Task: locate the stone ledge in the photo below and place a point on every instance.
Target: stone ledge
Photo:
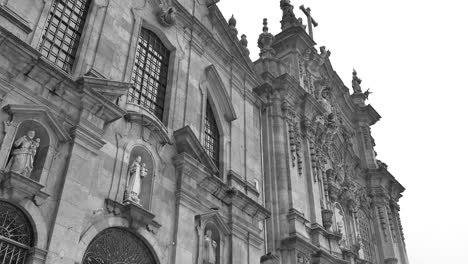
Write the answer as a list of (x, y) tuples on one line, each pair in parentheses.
[(136, 215), (140, 115), (15, 186), (234, 177), (316, 229), (16, 19)]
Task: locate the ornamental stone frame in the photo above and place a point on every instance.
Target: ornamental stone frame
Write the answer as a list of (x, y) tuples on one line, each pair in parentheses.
[(141, 20), (215, 93), (212, 220), (40, 115)]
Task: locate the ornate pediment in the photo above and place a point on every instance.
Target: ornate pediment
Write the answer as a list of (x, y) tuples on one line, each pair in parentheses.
[(39, 113), (214, 217)]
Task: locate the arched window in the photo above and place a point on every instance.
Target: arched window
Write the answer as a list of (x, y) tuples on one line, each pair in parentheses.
[(150, 72), (211, 140), (63, 32), (117, 245), (366, 237), (16, 234)]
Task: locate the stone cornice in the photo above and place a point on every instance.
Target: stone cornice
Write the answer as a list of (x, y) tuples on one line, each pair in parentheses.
[(140, 115), (36, 111), (233, 179), (382, 183), (187, 142), (299, 243), (195, 179), (212, 45)]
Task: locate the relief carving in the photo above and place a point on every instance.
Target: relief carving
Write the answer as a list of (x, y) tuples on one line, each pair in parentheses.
[(167, 16)]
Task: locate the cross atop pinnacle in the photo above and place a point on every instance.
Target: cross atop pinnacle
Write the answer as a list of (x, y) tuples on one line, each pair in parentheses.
[(310, 20)]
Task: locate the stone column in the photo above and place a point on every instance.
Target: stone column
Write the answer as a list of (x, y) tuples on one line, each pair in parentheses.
[(382, 227)]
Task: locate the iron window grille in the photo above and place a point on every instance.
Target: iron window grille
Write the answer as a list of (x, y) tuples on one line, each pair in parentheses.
[(150, 72), (16, 235), (116, 245), (63, 32), (211, 141)]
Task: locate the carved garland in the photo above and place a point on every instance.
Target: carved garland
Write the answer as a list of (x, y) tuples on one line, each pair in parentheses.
[(294, 136)]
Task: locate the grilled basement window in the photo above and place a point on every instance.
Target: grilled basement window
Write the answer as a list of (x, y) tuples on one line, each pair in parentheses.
[(211, 142), (149, 75), (63, 32), (16, 235)]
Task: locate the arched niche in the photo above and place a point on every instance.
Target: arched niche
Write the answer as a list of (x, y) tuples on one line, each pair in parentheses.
[(146, 162), (211, 244), (340, 223), (37, 146), (118, 245), (24, 118), (212, 230)]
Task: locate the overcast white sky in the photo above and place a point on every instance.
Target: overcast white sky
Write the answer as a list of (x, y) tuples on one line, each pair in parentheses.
[(413, 56)]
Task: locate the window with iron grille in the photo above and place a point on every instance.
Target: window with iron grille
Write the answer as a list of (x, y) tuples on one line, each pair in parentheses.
[(366, 236), (63, 32), (16, 236), (211, 141), (149, 75), (116, 245)]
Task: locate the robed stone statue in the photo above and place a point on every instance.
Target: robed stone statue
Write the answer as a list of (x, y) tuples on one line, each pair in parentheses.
[(23, 154), (209, 248), (137, 171)]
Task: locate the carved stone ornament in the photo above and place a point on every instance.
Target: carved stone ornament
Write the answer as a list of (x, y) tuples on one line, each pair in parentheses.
[(327, 218), (232, 26), (167, 16), (302, 258), (243, 42), (265, 40)]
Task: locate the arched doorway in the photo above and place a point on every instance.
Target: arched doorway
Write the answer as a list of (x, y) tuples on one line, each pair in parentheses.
[(117, 245), (16, 234)]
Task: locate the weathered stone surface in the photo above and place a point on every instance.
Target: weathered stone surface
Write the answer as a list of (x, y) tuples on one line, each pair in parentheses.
[(285, 122)]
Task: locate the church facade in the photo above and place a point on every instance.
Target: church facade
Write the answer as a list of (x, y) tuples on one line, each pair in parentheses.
[(140, 132)]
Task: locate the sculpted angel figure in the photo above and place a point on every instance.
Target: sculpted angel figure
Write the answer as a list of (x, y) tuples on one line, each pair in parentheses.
[(23, 154), (137, 171)]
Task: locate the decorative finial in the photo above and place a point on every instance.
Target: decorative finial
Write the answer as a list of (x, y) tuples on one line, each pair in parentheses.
[(232, 26), (289, 18), (264, 42), (244, 43), (356, 83), (232, 21)]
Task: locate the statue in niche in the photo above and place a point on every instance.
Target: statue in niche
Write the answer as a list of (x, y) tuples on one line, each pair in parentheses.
[(209, 248), (23, 154), (325, 97), (137, 171)]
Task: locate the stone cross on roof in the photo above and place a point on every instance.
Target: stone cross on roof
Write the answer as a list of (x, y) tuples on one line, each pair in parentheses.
[(310, 20)]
